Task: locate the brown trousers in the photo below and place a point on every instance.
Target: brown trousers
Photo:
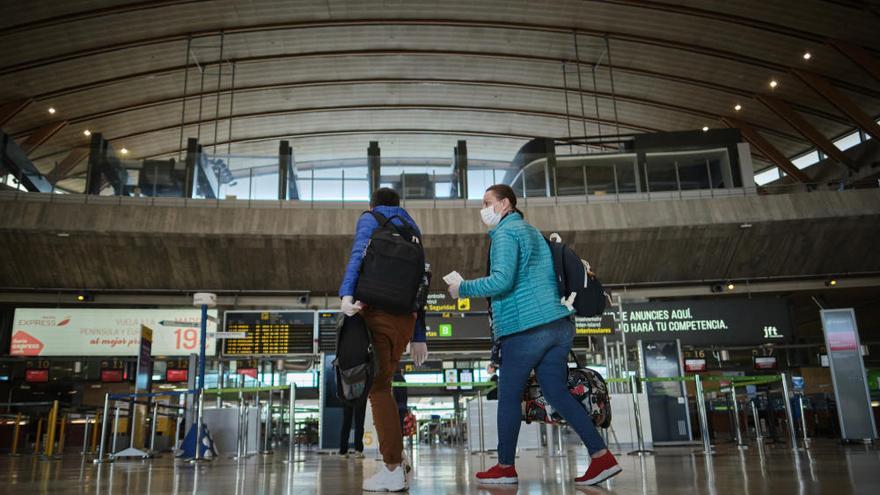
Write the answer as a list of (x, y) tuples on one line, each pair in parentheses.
[(391, 334)]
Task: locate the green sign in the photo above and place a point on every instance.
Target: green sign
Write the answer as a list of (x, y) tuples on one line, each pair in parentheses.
[(445, 329)]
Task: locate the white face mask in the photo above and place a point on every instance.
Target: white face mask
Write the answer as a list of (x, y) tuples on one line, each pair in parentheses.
[(490, 217)]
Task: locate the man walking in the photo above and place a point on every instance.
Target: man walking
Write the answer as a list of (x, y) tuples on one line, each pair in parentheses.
[(391, 334)]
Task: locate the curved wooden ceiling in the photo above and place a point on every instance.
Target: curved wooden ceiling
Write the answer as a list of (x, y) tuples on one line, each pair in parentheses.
[(333, 75)]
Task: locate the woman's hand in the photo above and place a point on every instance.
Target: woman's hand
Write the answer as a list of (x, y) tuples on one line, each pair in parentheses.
[(350, 307), (454, 289)]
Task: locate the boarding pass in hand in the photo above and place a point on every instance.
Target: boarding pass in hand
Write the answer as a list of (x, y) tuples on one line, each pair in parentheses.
[(452, 278)]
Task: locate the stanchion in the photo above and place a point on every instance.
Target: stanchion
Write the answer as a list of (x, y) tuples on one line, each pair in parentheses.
[(291, 427), (200, 405), (641, 450), (704, 420), (788, 415), (62, 437), (39, 436), (153, 422), (267, 438), (739, 439), (759, 435), (480, 421), (93, 443), (50, 430), (15, 433), (104, 423), (181, 415), (242, 421), (86, 427), (115, 430), (803, 420)]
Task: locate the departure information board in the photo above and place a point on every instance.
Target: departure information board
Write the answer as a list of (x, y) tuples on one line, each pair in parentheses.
[(269, 333)]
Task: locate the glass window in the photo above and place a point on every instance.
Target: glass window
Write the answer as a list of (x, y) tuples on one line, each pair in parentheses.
[(661, 173), (303, 378), (570, 181), (767, 176), (848, 141), (805, 161)]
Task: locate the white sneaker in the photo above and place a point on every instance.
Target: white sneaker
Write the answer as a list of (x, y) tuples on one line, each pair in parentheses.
[(386, 481)]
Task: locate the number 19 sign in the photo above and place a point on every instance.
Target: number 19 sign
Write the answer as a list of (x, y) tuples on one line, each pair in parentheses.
[(107, 332)]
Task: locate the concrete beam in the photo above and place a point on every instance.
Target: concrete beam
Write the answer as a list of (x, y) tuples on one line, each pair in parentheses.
[(41, 135), (840, 101), (858, 56), (12, 108), (764, 147), (786, 113)]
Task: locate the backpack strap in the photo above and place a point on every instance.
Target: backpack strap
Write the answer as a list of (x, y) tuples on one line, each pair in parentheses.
[(404, 229)]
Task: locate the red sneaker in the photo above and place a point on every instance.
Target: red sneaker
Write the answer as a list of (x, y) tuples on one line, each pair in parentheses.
[(497, 475), (601, 468)]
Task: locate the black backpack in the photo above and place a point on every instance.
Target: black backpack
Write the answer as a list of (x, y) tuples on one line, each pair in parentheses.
[(393, 267), (354, 364), (573, 277)]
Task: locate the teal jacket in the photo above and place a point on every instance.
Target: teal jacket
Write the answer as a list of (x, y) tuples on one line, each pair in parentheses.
[(522, 283)]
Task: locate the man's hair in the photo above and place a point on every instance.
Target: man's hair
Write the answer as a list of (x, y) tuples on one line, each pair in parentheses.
[(384, 196)]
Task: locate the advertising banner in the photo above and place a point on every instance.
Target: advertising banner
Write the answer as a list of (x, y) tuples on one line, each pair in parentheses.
[(107, 332)]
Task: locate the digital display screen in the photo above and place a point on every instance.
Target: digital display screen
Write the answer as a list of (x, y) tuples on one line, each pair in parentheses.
[(269, 333), (175, 375), (111, 376), (765, 363), (694, 365), (36, 376)]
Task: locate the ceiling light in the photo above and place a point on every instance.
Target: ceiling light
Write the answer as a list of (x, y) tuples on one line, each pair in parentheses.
[(87, 133), (738, 107), (63, 234), (124, 151), (807, 56), (705, 128), (51, 110), (730, 286), (831, 282), (773, 83)]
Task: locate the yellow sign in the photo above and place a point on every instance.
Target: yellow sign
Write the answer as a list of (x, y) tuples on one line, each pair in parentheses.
[(408, 367), (264, 316), (464, 304)]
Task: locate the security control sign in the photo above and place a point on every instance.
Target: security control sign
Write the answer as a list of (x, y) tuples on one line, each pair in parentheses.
[(107, 332)]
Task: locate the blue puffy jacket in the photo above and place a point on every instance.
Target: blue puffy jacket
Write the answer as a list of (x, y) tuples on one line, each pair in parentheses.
[(362, 233), (522, 282)]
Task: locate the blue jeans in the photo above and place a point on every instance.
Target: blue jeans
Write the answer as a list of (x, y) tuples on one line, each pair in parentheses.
[(545, 349)]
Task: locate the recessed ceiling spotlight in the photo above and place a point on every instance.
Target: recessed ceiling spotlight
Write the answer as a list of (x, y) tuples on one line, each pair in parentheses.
[(124, 151), (773, 83), (87, 133), (51, 110), (737, 107), (705, 128), (807, 56), (730, 286)]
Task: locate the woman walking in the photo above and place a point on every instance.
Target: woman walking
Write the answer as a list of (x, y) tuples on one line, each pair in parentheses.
[(535, 331)]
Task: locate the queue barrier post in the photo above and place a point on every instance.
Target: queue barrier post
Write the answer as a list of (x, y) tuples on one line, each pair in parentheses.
[(242, 421), (788, 414), (153, 421), (62, 437), (291, 426), (39, 436), (701, 412), (756, 418), (115, 429), (93, 443), (15, 434), (480, 421), (739, 439), (104, 423), (200, 405), (267, 438), (87, 426), (50, 430), (640, 439), (803, 420)]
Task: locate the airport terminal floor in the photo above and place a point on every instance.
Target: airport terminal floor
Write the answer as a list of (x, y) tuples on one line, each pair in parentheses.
[(825, 467)]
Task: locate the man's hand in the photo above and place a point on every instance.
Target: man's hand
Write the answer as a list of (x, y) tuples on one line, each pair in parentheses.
[(419, 352), (350, 307)]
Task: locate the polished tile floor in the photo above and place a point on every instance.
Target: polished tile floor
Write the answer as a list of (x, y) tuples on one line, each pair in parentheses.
[(824, 468)]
